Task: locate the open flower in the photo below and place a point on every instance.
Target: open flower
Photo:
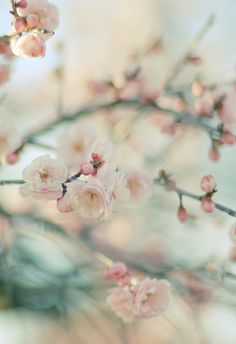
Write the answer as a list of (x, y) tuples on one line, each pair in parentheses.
[(89, 198), (44, 178), (121, 301), (28, 45), (10, 139), (75, 145), (151, 298)]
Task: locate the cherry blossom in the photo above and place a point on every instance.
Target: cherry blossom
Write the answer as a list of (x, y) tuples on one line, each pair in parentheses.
[(44, 178)]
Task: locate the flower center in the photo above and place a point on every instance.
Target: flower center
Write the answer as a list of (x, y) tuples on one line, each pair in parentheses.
[(78, 147), (43, 175)]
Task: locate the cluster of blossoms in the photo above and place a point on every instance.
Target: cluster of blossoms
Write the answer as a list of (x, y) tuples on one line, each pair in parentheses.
[(34, 21), (97, 187), (133, 299), (208, 185), (10, 142)]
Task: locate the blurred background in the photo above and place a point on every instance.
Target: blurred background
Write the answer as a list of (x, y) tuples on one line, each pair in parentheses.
[(97, 39)]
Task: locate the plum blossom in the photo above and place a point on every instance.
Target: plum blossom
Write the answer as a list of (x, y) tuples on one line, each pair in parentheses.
[(151, 298), (44, 178), (10, 139), (208, 183), (101, 153), (140, 187), (121, 302), (89, 198), (74, 146), (28, 45), (63, 204)]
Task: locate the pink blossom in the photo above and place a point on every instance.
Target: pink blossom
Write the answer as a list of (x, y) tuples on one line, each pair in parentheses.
[(89, 198), (207, 205), (43, 178), (121, 301), (140, 187), (232, 233), (75, 145), (116, 271), (208, 183), (28, 45), (87, 169), (10, 139), (46, 15), (12, 158), (151, 298)]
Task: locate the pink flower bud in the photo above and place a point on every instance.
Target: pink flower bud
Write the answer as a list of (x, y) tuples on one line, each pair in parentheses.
[(116, 271), (228, 138), (87, 169), (207, 205), (22, 4), (19, 24), (214, 154), (182, 214), (63, 204), (32, 21), (208, 183), (232, 233), (28, 45), (12, 158)]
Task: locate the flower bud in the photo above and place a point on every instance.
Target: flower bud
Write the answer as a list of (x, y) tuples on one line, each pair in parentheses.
[(19, 24), (182, 214), (32, 21), (207, 204), (87, 169), (12, 158), (63, 204), (214, 154), (208, 183)]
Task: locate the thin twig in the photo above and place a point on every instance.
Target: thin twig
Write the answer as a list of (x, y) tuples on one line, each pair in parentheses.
[(182, 192)]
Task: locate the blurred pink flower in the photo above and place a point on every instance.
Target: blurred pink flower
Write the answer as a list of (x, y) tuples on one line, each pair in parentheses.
[(151, 298), (43, 178), (116, 271), (232, 233), (40, 14), (75, 145), (10, 139), (121, 301), (208, 183), (4, 73), (63, 204), (89, 198), (140, 187), (28, 45)]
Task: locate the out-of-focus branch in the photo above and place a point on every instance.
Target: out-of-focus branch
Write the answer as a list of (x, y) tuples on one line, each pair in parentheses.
[(134, 103), (181, 192), (178, 67)]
